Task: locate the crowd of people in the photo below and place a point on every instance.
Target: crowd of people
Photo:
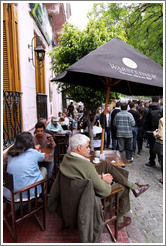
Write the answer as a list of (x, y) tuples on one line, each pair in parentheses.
[(127, 126)]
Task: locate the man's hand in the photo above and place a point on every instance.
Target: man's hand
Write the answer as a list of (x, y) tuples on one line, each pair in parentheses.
[(107, 177), (50, 138)]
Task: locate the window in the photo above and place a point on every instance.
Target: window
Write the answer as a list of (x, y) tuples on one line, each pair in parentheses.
[(11, 76)]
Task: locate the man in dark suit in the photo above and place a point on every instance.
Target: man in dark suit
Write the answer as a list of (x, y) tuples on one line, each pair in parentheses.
[(113, 128), (106, 124)]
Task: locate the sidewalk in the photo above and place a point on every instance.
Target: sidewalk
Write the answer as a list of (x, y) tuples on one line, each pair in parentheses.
[(147, 209)]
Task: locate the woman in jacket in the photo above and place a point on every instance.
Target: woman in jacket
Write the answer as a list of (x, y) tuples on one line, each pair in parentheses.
[(23, 164)]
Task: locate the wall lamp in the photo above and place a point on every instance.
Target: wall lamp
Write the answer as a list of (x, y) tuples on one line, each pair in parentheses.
[(39, 53)]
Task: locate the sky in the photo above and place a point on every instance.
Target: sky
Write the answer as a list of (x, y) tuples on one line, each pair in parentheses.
[(79, 10)]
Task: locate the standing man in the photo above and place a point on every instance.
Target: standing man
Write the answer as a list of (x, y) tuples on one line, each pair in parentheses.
[(106, 124), (137, 118), (153, 116), (113, 128), (124, 122), (70, 110)]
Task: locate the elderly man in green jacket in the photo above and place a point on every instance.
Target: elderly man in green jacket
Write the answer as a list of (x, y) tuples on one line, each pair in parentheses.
[(105, 177)]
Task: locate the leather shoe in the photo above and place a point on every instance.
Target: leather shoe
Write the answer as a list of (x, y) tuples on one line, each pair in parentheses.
[(126, 222), (150, 165), (140, 189)]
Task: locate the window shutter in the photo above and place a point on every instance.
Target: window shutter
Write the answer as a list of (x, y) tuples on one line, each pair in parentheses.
[(6, 52), (15, 53)]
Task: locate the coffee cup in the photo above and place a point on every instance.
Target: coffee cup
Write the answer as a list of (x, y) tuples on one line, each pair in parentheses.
[(96, 160), (37, 147)]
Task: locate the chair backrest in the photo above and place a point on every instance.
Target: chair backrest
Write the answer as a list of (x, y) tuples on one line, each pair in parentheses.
[(81, 207), (71, 191), (24, 208), (8, 181)]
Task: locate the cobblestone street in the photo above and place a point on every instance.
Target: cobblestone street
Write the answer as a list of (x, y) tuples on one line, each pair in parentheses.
[(147, 209)]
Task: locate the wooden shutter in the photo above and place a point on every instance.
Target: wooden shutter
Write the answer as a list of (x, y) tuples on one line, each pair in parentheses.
[(6, 52), (11, 59)]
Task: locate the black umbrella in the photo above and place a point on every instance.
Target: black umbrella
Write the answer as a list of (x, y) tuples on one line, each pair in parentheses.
[(116, 66)]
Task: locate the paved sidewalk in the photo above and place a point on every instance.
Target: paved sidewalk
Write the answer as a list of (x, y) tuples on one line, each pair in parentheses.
[(147, 209)]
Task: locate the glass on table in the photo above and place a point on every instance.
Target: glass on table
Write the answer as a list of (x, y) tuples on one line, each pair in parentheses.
[(37, 147)]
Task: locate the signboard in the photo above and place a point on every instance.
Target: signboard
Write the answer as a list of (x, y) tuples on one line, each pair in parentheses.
[(39, 13)]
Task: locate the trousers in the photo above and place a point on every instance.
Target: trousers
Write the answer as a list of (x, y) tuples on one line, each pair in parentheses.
[(126, 144), (120, 180)]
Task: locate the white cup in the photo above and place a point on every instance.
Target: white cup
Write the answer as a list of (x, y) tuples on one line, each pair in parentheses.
[(96, 160), (102, 157)]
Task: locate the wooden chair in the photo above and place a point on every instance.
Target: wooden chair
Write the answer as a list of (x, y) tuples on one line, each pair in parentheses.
[(62, 145), (69, 187), (14, 212), (110, 211)]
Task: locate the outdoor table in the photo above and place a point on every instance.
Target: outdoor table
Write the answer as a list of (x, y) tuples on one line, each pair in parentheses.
[(49, 154), (113, 157)]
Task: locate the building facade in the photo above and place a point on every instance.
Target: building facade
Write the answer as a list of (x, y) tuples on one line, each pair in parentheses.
[(28, 93)]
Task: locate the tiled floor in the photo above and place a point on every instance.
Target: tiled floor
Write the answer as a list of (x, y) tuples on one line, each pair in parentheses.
[(29, 232)]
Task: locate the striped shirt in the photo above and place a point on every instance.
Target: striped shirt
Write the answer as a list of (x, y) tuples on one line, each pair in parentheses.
[(123, 122)]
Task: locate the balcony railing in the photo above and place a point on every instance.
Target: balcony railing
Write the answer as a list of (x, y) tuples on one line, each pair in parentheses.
[(11, 117), (41, 100)]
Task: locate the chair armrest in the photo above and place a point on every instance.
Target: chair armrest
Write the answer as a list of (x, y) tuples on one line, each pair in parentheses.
[(31, 186), (116, 190), (113, 192)]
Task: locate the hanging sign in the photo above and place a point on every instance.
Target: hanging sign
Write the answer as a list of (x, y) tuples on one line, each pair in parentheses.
[(39, 13)]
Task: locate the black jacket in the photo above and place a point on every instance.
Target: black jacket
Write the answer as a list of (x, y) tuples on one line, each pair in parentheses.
[(153, 115), (103, 120), (113, 128)]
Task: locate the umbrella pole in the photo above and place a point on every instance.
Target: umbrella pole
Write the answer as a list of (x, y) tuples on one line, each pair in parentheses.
[(105, 112)]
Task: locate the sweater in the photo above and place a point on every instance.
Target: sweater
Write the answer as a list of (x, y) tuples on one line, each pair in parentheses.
[(123, 122), (77, 168)]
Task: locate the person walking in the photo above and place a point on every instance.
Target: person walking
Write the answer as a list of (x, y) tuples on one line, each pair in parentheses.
[(124, 121), (153, 116)]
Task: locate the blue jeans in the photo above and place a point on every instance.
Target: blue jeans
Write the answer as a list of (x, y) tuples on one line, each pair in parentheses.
[(114, 144), (51, 166), (135, 134)]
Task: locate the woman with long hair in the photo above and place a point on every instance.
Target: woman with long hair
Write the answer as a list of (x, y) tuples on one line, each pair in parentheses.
[(23, 164)]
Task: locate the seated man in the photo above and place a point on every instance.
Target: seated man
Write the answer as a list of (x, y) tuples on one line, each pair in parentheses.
[(105, 177), (54, 125), (45, 140)]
